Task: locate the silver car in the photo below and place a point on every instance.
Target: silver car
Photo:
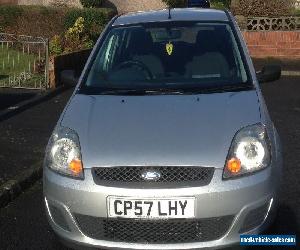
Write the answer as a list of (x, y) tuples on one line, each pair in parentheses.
[(166, 142)]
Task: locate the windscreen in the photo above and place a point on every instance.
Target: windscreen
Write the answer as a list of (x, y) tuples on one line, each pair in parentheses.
[(168, 55)]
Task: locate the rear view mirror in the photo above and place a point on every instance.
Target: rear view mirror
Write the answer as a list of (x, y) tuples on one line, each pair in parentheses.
[(68, 78), (269, 73)]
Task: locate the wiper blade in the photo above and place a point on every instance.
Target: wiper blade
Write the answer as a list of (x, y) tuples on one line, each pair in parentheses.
[(191, 90), (222, 89), (141, 92)]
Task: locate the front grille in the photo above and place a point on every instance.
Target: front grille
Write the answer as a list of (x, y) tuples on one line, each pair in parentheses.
[(132, 176), (154, 232), (254, 218)]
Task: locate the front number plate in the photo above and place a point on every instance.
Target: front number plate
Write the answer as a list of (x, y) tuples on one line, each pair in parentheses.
[(162, 208)]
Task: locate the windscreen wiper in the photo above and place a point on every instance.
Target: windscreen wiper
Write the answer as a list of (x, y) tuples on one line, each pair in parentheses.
[(222, 89), (141, 92)]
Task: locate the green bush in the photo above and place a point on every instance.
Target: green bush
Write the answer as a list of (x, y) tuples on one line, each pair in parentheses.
[(175, 3), (55, 45), (9, 13), (220, 4), (269, 8), (296, 12), (91, 3), (32, 20), (50, 21), (95, 19)]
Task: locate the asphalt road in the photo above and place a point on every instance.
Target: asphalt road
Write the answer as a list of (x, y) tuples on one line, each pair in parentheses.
[(11, 97), (23, 224), (23, 137)]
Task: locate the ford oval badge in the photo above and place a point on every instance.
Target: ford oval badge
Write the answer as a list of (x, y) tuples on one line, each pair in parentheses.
[(150, 175)]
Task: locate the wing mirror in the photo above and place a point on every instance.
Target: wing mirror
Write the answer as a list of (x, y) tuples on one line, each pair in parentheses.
[(69, 78), (269, 73)]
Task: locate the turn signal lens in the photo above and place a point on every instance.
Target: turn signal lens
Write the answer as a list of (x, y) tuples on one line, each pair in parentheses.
[(76, 167), (234, 165)]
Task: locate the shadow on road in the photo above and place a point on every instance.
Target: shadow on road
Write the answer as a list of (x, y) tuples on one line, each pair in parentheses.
[(9, 98), (285, 223)]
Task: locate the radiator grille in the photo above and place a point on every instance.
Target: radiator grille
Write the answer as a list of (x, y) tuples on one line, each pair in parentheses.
[(172, 176), (154, 232)]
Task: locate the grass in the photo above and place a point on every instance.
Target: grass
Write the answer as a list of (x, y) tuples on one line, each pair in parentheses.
[(18, 69)]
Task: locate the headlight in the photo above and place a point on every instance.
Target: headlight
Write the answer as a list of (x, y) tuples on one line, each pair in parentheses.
[(63, 153), (249, 152)]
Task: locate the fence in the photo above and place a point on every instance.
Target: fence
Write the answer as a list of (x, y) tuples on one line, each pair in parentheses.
[(273, 24), (23, 61)]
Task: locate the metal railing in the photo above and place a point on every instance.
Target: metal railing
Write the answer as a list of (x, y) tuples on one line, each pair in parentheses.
[(23, 61)]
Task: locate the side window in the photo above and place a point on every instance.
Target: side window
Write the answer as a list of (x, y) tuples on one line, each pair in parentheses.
[(241, 72), (107, 58), (104, 60)]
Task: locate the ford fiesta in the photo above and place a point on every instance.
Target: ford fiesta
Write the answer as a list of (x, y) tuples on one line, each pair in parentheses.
[(166, 142)]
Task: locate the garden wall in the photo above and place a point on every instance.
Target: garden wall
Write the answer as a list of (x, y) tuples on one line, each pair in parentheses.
[(72, 61), (273, 43)]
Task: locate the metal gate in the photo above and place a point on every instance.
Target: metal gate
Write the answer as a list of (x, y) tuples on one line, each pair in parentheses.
[(23, 61)]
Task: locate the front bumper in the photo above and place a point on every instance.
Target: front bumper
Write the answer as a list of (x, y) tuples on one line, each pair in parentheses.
[(239, 198)]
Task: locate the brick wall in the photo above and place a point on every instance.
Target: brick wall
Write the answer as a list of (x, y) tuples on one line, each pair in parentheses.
[(273, 43)]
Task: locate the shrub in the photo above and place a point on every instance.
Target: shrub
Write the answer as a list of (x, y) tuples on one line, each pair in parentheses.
[(264, 8), (175, 3), (50, 21), (55, 45), (8, 15), (76, 37), (220, 4), (32, 20), (95, 19), (91, 3)]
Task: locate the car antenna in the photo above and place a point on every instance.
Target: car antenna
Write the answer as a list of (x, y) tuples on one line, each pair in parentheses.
[(170, 17)]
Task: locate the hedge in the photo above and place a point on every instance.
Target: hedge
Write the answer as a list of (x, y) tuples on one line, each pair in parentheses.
[(91, 3), (270, 8), (49, 21)]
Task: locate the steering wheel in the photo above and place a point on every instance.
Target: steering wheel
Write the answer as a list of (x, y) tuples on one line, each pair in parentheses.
[(139, 64)]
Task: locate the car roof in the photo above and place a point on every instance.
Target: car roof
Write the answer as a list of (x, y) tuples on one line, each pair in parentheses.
[(186, 14)]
